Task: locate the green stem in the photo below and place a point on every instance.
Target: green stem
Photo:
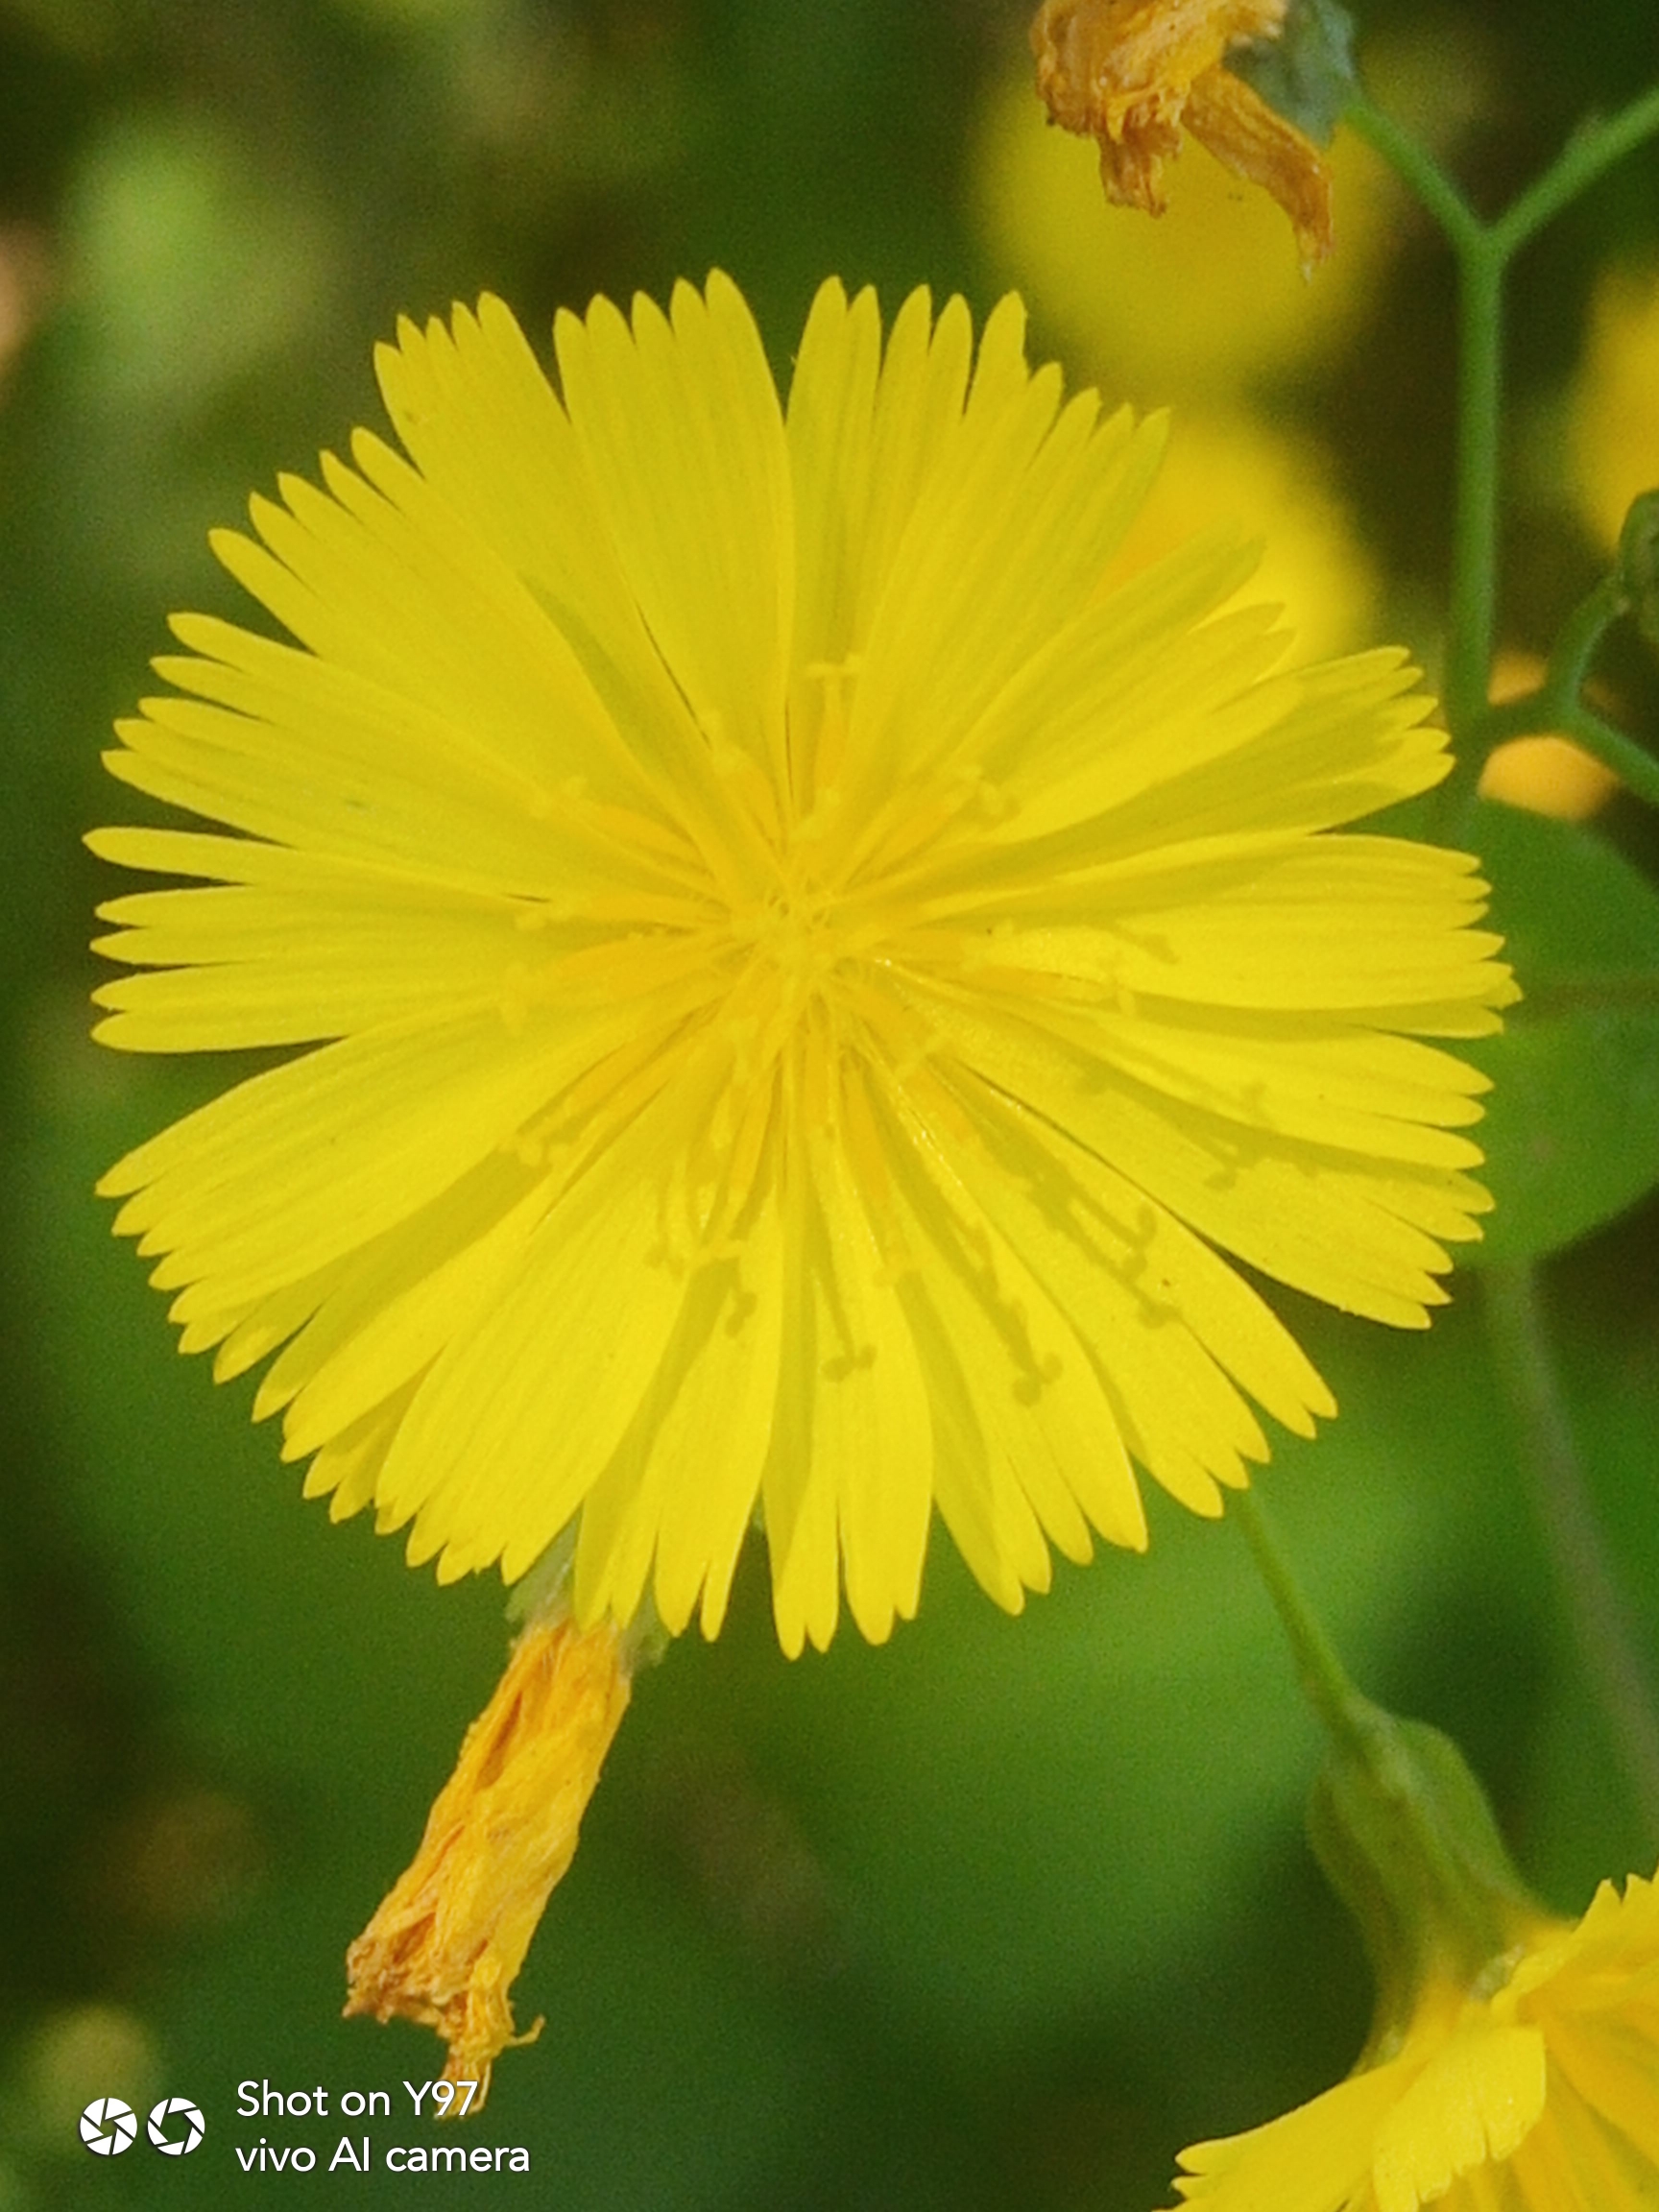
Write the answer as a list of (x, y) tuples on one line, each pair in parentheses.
[(1558, 706), (1541, 714), (1479, 412), (1634, 765), (1587, 155), (1594, 1602), (1348, 1715), (1396, 1819), (1473, 612), (1580, 635), (1483, 252), (1417, 169)]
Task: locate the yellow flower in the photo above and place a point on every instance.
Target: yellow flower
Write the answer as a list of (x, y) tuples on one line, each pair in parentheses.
[(1274, 488), (1196, 305), (1537, 2091), (1614, 428), (1548, 774), (1133, 74), (804, 981)]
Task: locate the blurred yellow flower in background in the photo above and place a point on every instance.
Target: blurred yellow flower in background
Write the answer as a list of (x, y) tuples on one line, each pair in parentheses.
[(805, 979), (1200, 307), (1536, 2091), (1192, 306), (1547, 774), (1614, 433), (1272, 487)]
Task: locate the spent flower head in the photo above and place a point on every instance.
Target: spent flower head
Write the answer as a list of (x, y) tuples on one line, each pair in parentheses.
[(450, 1935), (1135, 75)]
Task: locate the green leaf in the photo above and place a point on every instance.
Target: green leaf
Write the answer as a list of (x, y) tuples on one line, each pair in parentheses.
[(1307, 73), (1572, 1127)]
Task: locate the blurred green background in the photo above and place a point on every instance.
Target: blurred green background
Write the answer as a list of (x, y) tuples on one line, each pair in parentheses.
[(1005, 1913)]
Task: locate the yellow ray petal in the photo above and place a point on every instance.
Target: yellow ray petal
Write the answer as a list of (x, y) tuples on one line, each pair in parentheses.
[(525, 1407), (1474, 2104), (849, 1469), (1315, 2159), (680, 427), (666, 1496)]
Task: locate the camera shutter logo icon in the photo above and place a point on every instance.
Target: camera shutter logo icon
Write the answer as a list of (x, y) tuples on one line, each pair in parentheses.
[(108, 2126), (176, 2127)]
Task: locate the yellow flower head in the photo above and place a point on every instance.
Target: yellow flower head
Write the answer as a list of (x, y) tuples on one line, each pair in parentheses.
[(1537, 2091), (804, 980), (1614, 424), (1134, 74)]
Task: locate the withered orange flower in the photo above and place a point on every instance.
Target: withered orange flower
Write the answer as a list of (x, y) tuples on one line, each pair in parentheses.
[(451, 1934), (1134, 74)]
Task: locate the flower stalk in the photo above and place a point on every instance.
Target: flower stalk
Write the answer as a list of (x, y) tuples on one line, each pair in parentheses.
[(1343, 1711), (1397, 1820), (1558, 704), (1593, 1598), (1483, 252)]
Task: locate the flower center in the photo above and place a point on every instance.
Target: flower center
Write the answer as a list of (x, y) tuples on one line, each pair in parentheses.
[(794, 931)]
